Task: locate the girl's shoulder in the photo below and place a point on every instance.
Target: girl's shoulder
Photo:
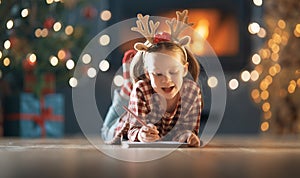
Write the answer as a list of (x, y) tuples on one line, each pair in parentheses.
[(190, 84)]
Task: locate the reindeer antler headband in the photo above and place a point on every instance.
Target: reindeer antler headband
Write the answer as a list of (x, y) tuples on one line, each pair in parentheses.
[(148, 30)]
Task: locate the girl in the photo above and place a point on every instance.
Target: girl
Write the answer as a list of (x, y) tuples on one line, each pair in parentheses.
[(163, 95)]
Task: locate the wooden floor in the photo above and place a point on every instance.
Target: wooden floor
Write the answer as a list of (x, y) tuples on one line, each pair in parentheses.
[(223, 157)]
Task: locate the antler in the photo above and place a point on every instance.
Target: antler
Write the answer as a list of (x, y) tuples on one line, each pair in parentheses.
[(177, 26), (143, 28)]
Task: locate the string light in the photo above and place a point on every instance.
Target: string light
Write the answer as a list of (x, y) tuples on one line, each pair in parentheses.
[(86, 58), (292, 86), (38, 33), (118, 80), (233, 84), (212, 81), (24, 13), (281, 24), (262, 33), (91, 72), (254, 75), (73, 82), (266, 106), (0, 54), (44, 32), (9, 24), (57, 26), (245, 76), (104, 40), (7, 44), (253, 27), (298, 82), (264, 126), (104, 65), (49, 1), (258, 2), (297, 30), (6, 62), (61, 54), (32, 58), (69, 30), (105, 15), (53, 60), (267, 115), (264, 95), (70, 64), (256, 59)]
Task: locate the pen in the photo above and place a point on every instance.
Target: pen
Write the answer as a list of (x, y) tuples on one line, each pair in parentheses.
[(137, 117)]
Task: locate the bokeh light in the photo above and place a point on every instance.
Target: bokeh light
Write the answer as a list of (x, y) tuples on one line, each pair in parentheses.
[(212, 81), (91, 72), (258, 2), (104, 40), (254, 75), (86, 58), (264, 126), (69, 30), (105, 15), (7, 44), (53, 60), (24, 13), (6, 62), (104, 65), (70, 64), (253, 27), (9, 24), (73, 82), (245, 76), (256, 59), (57, 26), (233, 84), (118, 80)]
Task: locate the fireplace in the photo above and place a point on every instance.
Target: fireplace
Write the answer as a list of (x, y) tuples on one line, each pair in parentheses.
[(223, 23)]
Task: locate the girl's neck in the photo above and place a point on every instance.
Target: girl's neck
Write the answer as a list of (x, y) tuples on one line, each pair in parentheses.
[(172, 103)]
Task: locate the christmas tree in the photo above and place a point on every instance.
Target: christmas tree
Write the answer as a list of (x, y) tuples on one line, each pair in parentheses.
[(40, 38), (278, 65)]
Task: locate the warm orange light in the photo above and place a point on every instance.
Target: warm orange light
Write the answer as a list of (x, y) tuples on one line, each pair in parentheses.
[(264, 126), (266, 106), (267, 115), (263, 85), (61, 54), (264, 95), (255, 94)]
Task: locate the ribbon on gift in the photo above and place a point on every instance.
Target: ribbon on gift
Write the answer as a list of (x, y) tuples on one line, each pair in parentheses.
[(39, 119)]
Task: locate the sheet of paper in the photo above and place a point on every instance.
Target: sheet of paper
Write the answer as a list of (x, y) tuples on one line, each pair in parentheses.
[(158, 144)]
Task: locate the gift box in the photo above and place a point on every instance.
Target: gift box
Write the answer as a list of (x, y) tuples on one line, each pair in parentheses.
[(29, 116)]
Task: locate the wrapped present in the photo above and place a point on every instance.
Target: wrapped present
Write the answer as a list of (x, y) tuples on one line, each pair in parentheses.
[(28, 116), (46, 84)]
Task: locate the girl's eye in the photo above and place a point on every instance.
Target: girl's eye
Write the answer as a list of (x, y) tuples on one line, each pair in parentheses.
[(173, 72), (158, 74)]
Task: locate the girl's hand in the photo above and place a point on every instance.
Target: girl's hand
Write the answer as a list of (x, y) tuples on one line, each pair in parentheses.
[(148, 133), (188, 137)]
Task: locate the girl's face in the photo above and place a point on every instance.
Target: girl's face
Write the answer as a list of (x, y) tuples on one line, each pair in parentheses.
[(166, 72)]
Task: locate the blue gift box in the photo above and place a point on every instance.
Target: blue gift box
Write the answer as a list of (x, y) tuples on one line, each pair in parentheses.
[(28, 116)]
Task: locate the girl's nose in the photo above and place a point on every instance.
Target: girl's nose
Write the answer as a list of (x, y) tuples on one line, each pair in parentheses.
[(167, 78)]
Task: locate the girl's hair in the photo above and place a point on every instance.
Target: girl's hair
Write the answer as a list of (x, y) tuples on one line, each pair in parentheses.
[(137, 65)]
